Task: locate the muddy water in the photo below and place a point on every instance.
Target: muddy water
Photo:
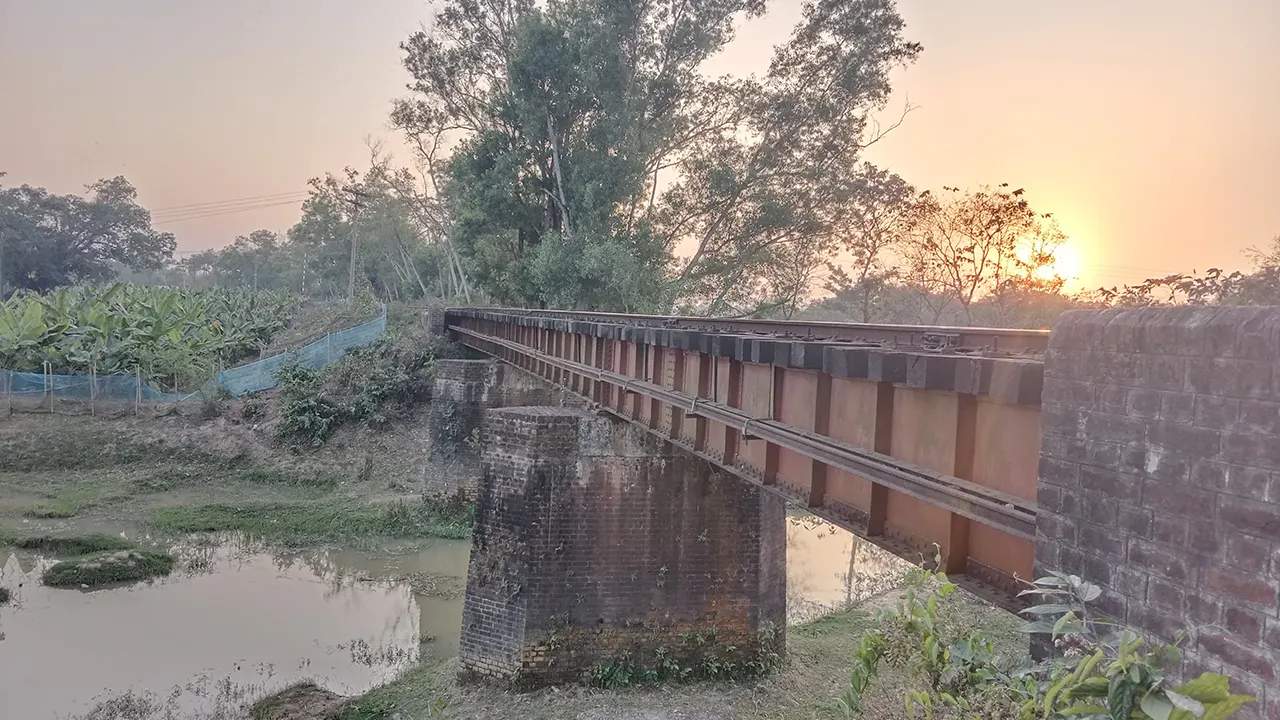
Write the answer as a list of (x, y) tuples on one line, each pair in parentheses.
[(234, 623), (237, 622)]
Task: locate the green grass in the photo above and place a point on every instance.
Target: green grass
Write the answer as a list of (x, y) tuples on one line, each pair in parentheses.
[(316, 521), (178, 478), (104, 568), (66, 545), (807, 687), (49, 509)]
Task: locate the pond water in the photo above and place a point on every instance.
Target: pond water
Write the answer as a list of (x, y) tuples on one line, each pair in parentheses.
[(237, 621)]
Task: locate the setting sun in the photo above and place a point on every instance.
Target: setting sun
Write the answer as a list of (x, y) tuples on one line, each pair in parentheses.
[(1068, 263)]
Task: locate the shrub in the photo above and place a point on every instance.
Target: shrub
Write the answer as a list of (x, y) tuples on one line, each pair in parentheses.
[(1103, 671), (373, 385)]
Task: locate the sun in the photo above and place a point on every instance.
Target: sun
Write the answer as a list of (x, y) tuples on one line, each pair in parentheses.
[(1068, 263)]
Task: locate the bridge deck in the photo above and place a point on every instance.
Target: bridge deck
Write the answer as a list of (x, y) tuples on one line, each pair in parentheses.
[(911, 437)]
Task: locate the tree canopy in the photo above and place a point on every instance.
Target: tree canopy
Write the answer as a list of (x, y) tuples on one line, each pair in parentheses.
[(48, 240), (587, 160)]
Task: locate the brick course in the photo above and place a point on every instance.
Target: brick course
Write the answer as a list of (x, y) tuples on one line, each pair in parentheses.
[(1159, 479), (595, 542), (464, 392)]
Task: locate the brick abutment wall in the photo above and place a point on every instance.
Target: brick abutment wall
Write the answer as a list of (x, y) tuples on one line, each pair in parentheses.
[(1160, 479), (595, 544), (464, 391)]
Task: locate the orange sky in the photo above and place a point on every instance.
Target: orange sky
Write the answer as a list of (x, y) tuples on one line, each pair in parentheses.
[(1150, 129)]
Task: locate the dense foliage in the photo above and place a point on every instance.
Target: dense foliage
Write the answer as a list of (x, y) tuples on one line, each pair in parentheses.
[(590, 161), (48, 240), (1101, 671), (160, 333), (371, 386)]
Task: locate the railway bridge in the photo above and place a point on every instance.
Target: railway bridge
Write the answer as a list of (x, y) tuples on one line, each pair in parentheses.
[(634, 470)]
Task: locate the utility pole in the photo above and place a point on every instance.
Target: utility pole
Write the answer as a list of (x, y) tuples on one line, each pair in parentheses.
[(356, 197)]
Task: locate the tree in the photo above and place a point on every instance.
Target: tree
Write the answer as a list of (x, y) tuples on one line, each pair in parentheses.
[(588, 152), (50, 240), (969, 245), (880, 217), (258, 260)]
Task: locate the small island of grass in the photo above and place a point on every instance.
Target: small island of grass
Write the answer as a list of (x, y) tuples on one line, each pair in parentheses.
[(107, 567)]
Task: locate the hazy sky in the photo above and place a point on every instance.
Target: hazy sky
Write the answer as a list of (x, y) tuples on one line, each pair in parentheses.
[(1150, 128)]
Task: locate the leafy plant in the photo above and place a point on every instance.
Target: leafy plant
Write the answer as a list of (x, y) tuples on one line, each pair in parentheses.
[(174, 337), (1103, 672), (373, 385)]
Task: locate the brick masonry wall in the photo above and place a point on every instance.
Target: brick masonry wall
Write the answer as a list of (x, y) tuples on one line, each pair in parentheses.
[(464, 392), (1160, 479), (595, 543), (458, 401)]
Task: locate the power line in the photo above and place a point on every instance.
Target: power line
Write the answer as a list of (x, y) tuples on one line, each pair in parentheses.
[(255, 198), (166, 217), (231, 211)]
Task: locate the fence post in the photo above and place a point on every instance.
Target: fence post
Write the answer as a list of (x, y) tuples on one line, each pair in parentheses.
[(8, 390), (48, 381), (137, 390), (93, 389)]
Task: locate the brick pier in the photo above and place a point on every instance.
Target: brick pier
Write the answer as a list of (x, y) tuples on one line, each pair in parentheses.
[(595, 543), (464, 392)]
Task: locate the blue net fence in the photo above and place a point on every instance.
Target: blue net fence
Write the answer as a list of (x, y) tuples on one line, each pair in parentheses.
[(261, 375), (25, 389), (86, 388)]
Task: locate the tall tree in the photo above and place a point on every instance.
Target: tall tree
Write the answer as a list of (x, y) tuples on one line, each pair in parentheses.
[(50, 240), (593, 164), (880, 218), (967, 245)]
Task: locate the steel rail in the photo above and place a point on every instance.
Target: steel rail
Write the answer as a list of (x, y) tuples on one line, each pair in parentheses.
[(999, 510), (1007, 339)]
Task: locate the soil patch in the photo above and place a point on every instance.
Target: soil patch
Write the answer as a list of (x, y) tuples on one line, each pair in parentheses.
[(304, 701)]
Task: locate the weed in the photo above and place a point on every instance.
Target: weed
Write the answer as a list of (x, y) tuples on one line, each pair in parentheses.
[(5, 596), (50, 509), (107, 567), (213, 401)]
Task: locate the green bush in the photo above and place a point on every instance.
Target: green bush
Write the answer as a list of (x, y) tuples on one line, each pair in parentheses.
[(374, 386), (1103, 672), (104, 568)]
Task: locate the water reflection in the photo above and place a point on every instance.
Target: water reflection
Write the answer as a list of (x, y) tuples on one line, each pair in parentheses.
[(237, 621), (829, 568), (233, 623)]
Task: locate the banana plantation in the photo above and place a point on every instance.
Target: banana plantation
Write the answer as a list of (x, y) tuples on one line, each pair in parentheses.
[(175, 337)]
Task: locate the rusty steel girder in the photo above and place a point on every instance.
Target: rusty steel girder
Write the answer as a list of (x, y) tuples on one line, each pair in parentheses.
[(950, 471)]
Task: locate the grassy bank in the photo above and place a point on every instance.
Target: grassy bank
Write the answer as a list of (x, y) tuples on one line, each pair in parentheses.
[(819, 656), (308, 521), (62, 475)]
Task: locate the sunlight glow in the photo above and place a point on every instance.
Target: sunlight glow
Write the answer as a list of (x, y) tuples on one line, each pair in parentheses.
[(1068, 262)]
